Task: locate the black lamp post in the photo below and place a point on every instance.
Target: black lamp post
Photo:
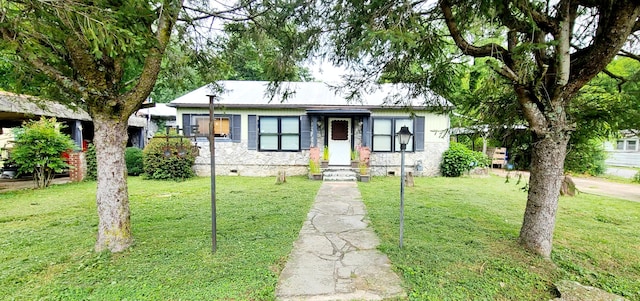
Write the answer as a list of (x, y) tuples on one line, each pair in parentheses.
[(404, 135)]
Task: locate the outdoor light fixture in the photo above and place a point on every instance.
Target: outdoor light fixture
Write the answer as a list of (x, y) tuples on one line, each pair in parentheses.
[(182, 152), (404, 135), (167, 152)]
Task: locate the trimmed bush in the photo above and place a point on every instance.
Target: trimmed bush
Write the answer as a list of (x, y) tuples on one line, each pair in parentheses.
[(458, 159), (133, 158), (636, 177), (92, 163), (169, 159)]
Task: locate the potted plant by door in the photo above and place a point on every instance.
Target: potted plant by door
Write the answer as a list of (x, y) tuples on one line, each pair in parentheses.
[(325, 157), (314, 170), (355, 158), (364, 172)]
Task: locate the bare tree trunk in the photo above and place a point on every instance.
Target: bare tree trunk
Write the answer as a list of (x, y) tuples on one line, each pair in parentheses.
[(547, 169), (114, 227)]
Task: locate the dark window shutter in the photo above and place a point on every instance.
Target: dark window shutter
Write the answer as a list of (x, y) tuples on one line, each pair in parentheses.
[(253, 132), (236, 128), (314, 131), (305, 132), (366, 131), (418, 128), (186, 124)]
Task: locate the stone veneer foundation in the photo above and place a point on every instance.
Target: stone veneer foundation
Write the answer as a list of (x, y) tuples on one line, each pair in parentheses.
[(236, 159)]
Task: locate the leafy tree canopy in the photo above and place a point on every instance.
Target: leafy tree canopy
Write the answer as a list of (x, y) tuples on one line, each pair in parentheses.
[(541, 53), (241, 52)]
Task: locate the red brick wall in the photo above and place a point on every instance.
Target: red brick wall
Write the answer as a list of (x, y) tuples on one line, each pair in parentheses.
[(78, 171)]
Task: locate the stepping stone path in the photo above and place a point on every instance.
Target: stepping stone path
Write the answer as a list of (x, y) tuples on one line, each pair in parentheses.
[(335, 256)]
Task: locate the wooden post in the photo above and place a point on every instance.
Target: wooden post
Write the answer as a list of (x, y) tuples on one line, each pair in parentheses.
[(409, 179)]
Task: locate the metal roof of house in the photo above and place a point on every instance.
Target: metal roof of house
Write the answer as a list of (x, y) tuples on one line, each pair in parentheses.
[(159, 110), (253, 94)]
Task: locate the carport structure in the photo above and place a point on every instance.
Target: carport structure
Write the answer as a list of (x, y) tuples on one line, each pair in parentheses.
[(16, 108)]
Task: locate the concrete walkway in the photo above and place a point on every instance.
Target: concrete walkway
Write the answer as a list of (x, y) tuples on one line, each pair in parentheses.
[(335, 256)]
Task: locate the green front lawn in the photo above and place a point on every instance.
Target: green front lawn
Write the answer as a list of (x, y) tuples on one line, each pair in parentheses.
[(460, 240), (47, 237)]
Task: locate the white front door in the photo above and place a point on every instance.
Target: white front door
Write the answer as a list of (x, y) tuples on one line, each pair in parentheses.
[(339, 141)]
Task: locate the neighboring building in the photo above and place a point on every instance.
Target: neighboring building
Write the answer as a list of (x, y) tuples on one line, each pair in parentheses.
[(15, 109), (6, 143), (624, 152), (158, 116), (258, 136)]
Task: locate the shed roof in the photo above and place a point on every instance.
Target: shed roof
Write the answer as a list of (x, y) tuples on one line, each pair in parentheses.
[(253, 94)]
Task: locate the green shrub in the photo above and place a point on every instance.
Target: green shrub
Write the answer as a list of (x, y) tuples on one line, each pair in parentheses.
[(92, 163), (586, 158), (38, 149), (636, 177), (481, 159), (133, 158), (458, 159), (170, 159)]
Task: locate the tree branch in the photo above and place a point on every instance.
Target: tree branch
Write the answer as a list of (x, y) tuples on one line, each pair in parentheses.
[(134, 98), (606, 44), (636, 26), (629, 55), (489, 50), (621, 80), (223, 14), (40, 65), (512, 22), (63, 80), (544, 22)]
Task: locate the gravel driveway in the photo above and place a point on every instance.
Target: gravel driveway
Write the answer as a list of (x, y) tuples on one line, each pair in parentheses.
[(595, 186)]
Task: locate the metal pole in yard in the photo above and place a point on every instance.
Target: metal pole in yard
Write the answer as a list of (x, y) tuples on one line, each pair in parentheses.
[(402, 146), (404, 135), (212, 138)]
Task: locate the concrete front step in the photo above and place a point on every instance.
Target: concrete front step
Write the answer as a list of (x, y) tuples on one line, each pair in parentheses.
[(339, 175)]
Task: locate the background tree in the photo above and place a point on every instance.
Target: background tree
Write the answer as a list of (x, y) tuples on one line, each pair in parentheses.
[(546, 72), (241, 51), (104, 56), (39, 147), (541, 50)]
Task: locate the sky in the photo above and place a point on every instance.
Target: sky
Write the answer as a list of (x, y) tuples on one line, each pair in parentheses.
[(325, 71)]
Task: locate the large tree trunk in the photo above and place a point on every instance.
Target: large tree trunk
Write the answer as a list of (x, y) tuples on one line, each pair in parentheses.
[(547, 170), (114, 228)]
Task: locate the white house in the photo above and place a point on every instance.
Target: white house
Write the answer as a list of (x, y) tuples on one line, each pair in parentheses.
[(625, 152), (259, 136)]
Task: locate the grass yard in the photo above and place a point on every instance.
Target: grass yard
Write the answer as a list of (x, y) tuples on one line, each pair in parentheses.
[(460, 240), (47, 237)]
